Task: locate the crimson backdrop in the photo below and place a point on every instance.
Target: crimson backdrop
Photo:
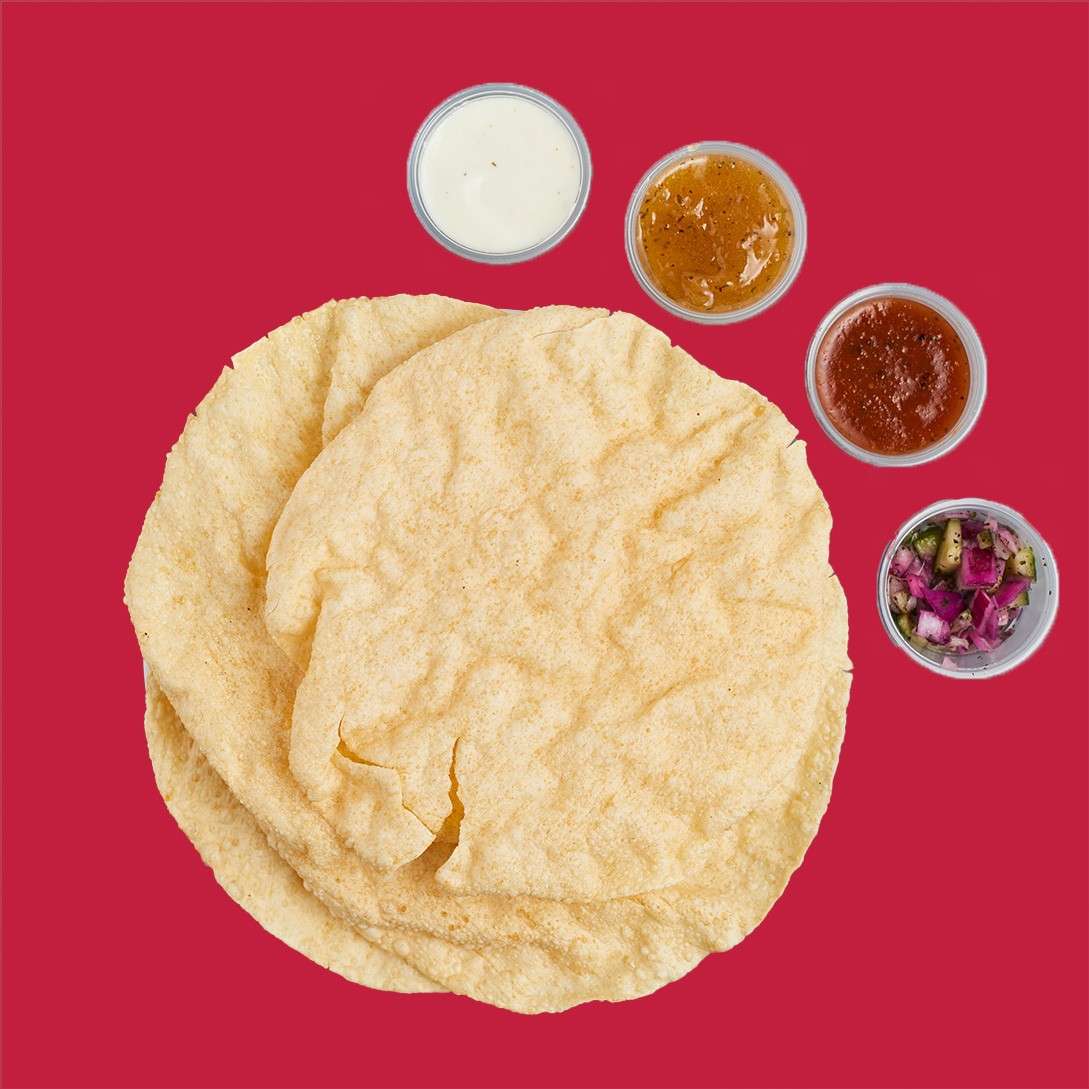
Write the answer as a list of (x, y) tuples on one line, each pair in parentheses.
[(182, 179)]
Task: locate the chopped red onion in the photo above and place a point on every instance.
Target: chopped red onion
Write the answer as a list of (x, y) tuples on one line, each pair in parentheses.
[(978, 568), (902, 561), (1008, 539), (1009, 590), (971, 610), (946, 603), (985, 615), (931, 627)]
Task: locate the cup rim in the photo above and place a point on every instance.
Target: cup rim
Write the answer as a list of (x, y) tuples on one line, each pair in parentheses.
[(496, 90), (977, 367), (790, 193), (1044, 553)]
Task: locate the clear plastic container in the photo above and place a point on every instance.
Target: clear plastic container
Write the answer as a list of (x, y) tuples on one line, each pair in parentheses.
[(737, 151), (504, 90), (977, 368), (1032, 625)]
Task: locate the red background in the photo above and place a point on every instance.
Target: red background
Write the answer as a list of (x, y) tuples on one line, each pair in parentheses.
[(182, 179)]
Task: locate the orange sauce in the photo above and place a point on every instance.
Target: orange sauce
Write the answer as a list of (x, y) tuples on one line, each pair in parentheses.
[(716, 233)]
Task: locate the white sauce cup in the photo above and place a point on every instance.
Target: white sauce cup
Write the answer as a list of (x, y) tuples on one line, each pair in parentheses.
[(497, 90)]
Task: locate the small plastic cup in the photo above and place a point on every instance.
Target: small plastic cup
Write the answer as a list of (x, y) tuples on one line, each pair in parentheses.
[(1032, 625), (977, 369), (781, 179), (497, 90)]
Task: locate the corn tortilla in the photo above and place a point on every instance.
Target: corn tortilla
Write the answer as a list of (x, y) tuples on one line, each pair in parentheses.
[(196, 592), (729, 901), (566, 587), (233, 846)]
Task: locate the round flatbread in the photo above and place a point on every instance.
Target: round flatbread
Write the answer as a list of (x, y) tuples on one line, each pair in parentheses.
[(233, 846), (558, 955), (758, 858), (563, 599), (196, 592)]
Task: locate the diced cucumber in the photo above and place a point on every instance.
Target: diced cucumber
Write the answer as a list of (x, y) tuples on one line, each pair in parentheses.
[(1020, 601), (948, 558), (900, 601), (920, 642), (926, 542), (985, 539), (1022, 564), (904, 624)]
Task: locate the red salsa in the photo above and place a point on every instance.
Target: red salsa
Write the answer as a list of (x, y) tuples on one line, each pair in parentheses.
[(892, 376)]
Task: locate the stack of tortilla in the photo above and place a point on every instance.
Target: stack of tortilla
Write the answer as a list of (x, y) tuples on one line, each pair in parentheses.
[(491, 653)]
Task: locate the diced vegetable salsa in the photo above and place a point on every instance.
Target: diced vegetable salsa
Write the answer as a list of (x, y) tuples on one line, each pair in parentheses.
[(958, 585)]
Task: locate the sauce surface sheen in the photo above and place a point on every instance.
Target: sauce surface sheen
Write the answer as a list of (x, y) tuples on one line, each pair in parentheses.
[(716, 233), (892, 376), (500, 174)]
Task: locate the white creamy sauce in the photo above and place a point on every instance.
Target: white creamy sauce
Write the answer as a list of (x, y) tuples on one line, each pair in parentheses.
[(499, 174)]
